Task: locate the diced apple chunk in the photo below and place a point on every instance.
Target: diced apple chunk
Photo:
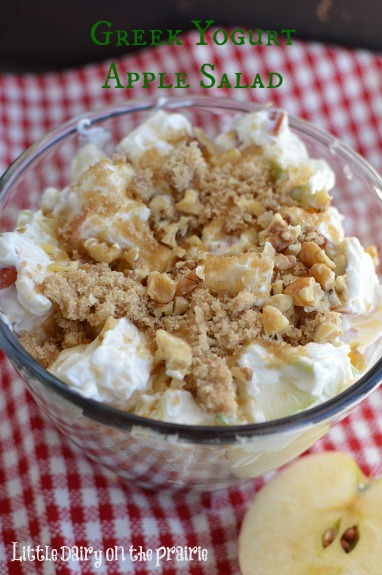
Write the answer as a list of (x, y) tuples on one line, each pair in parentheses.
[(251, 272)]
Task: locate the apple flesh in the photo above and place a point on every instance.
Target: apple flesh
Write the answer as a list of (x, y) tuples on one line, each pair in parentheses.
[(319, 516)]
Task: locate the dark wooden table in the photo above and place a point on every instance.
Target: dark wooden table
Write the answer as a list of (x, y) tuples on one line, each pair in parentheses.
[(45, 34)]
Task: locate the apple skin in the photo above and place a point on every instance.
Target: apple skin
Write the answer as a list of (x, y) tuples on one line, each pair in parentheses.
[(322, 494)]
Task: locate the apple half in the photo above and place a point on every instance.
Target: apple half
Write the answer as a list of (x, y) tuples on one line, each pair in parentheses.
[(319, 516)]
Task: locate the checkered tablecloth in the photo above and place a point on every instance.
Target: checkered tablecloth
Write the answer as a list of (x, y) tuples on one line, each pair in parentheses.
[(50, 493)]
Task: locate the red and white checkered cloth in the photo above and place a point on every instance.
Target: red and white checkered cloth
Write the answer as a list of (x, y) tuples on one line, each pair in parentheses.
[(50, 493)]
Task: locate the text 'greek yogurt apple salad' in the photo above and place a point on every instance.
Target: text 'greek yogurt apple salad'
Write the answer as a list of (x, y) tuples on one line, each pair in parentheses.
[(193, 280)]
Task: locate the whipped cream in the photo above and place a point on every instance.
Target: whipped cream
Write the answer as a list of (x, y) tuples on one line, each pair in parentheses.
[(86, 157), (16, 316), (153, 134), (175, 405), (281, 146), (331, 225), (361, 293), (117, 363), (24, 253), (284, 381)]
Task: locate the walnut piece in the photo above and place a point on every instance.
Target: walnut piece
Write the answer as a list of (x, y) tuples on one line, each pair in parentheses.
[(274, 321), (160, 287), (311, 254), (304, 291)]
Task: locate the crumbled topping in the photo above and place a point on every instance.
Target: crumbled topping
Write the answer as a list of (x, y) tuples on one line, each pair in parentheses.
[(94, 292)]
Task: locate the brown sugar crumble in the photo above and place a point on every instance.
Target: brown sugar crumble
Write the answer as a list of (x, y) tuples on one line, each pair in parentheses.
[(218, 251)]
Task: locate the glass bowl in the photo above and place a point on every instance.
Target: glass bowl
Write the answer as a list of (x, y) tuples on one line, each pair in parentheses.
[(159, 454)]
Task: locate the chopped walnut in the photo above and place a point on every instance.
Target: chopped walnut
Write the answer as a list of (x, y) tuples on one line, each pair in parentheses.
[(102, 252), (304, 291), (274, 321), (326, 331), (188, 283), (324, 276), (190, 203), (311, 254), (160, 287), (282, 302), (279, 233)]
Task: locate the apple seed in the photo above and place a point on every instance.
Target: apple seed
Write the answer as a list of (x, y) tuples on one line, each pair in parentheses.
[(328, 537), (350, 538)]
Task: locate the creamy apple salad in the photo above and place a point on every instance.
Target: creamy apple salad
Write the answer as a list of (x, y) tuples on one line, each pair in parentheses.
[(193, 280)]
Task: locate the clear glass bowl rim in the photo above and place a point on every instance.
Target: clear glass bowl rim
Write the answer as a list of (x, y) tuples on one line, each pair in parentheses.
[(335, 408)]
